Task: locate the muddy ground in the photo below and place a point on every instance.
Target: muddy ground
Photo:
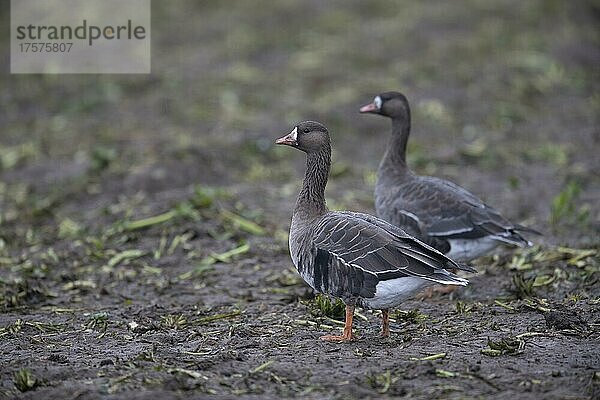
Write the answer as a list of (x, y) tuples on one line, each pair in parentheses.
[(143, 219)]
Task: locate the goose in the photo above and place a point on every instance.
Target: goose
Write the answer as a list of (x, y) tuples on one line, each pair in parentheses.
[(438, 212), (357, 257)]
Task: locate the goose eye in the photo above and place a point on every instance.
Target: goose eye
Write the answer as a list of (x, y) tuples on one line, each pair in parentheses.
[(377, 102), (306, 130)]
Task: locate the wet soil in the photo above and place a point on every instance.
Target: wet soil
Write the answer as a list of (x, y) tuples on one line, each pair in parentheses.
[(143, 219)]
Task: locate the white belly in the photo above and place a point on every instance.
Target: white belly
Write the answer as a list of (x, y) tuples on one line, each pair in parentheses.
[(469, 249), (393, 292)]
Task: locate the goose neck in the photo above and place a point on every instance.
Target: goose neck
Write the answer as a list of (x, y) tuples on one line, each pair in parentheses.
[(311, 200), (396, 150)]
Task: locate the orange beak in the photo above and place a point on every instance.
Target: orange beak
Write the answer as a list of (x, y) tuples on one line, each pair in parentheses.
[(291, 139), (369, 108)]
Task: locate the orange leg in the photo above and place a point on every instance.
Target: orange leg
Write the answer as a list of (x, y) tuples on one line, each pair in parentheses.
[(385, 316), (347, 335), (431, 290)]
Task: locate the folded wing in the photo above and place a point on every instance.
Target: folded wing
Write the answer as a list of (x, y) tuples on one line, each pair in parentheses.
[(352, 252)]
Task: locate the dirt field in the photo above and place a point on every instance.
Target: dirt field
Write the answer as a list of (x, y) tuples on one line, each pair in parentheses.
[(143, 219)]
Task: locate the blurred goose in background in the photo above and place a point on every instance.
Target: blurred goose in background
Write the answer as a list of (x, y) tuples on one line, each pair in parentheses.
[(437, 211), (359, 258)]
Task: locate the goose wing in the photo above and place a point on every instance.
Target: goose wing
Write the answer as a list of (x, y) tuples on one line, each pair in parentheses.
[(447, 211), (353, 252)]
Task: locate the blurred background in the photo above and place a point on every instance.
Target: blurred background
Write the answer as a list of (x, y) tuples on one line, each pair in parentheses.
[(144, 218), (504, 95)]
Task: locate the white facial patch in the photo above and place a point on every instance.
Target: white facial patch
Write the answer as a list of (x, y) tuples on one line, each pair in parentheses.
[(294, 134), (377, 101)]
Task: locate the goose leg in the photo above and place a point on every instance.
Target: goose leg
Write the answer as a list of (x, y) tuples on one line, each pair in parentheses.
[(347, 335), (429, 292), (385, 317)]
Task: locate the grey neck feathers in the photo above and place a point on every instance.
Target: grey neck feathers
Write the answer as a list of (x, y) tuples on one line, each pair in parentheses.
[(311, 200), (395, 156)]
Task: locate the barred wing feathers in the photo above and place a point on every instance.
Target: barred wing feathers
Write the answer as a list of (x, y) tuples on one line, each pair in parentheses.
[(352, 252), (447, 211)]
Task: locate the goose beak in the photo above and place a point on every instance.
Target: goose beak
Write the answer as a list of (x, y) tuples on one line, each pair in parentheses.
[(369, 108), (291, 139)]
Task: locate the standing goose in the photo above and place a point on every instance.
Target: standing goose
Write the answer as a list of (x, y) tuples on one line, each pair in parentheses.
[(359, 258), (440, 213)]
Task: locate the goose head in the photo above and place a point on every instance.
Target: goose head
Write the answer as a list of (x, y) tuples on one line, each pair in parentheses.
[(308, 136), (389, 104)]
